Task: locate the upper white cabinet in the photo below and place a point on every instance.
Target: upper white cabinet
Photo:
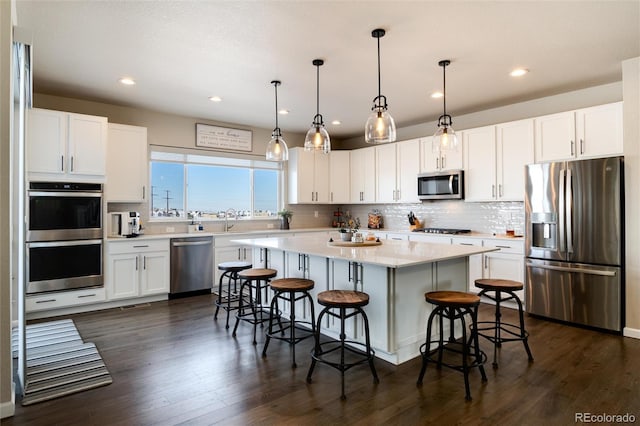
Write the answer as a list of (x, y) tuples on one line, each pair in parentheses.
[(127, 164), (66, 146), (339, 177), (584, 133), (363, 165), (494, 160), (308, 173), (397, 168), (434, 161)]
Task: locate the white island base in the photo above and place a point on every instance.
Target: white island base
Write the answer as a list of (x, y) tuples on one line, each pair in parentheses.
[(397, 310)]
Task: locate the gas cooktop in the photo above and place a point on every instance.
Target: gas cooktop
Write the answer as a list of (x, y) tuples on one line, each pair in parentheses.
[(442, 230)]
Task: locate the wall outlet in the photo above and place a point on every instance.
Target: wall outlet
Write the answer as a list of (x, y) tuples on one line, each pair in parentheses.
[(171, 229), (315, 213), (269, 225)]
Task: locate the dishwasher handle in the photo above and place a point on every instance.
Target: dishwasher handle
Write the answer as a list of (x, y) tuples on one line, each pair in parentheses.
[(189, 243)]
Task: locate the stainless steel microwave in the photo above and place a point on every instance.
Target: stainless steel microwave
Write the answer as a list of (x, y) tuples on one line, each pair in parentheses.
[(447, 185)]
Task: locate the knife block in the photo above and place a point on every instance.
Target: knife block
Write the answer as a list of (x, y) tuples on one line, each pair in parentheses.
[(416, 225)]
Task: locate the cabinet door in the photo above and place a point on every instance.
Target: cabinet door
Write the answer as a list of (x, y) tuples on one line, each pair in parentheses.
[(480, 164), (87, 144), (427, 238), (386, 163), (514, 150), (46, 141), (341, 278), (505, 266), (321, 177), (451, 160), (555, 137), (339, 177), (301, 175), (474, 271), (599, 131), (127, 164), (155, 272), (430, 158), (408, 153), (123, 275), (363, 180), (225, 254)]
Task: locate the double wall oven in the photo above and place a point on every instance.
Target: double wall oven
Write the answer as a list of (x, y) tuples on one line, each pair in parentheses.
[(64, 236)]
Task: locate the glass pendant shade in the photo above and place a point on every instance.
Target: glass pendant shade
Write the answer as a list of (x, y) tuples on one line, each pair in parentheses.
[(317, 139), (277, 149), (380, 127), (445, 139)]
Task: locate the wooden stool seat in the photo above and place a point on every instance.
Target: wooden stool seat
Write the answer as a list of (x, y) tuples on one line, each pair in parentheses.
[(257, 273), (234, 266), (343, 298), (452, 298), (292, 284), (497, 284)]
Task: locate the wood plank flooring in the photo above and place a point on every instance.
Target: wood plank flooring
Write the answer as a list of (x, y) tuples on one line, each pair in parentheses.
[(172, 364)]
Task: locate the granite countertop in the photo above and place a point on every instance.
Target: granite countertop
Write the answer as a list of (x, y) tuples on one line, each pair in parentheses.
[(235, 234), (391, 253)]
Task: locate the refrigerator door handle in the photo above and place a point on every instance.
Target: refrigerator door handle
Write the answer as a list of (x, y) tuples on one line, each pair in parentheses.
[(569, 212), (574, 270), (561, 206)]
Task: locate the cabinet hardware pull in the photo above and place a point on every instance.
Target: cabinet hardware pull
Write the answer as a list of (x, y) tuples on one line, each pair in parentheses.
[(332, 196), (571, 148), (581, 146), (238, 253), (493, 191), (136, 263), (444, 158), (500, 193), (143, 192), (465, 244), (86, 295), (140, 246), (72, 163), (46, 301), (244, 253), (503, 246), (144, 262), (437, 163), (62, 163), (486, 262)]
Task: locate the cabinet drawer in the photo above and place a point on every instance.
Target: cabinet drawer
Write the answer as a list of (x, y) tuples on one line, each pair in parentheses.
[(227, 241), (64, 298), (506, 246), (466, 241), (117, 247)]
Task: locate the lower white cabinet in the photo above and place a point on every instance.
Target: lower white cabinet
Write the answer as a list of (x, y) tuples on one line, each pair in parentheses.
[(64, 299), (507, 263), (475, 262), (136, 269), (226, 251)]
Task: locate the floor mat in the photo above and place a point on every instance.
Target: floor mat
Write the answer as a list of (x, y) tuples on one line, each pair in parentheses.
[(59, 363)]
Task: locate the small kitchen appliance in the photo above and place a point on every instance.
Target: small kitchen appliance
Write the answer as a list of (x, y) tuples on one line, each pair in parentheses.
[(124, 224)]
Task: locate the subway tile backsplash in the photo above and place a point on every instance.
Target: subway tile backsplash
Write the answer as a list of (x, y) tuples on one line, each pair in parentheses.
[(493, 217)]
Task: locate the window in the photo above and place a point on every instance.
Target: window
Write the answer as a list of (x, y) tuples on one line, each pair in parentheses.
[(183, 184)]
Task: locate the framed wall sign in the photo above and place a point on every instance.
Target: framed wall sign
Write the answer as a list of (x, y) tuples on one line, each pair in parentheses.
[(215, 137)]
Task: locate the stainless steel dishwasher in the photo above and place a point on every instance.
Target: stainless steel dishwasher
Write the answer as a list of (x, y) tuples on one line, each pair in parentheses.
[(191, 266)]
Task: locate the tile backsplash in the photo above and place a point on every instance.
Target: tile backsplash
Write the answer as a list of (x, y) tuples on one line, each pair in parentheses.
[(493, 217)]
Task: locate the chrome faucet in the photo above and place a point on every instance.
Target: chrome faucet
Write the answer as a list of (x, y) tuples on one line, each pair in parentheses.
[(226, 219)]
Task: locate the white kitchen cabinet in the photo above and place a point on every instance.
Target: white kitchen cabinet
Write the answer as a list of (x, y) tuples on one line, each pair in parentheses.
[(430, 238), (475, 261), (127, 164), (397, 168), (65, 146), (363, 169), (507, 263), (299, 265), (339, 177), (494, 161), (436, 161), (308, 174), (226, 251), (64, 299), (136, 269), (584, 133)]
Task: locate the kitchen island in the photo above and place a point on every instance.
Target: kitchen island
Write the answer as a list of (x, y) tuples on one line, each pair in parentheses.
[(395, 274)]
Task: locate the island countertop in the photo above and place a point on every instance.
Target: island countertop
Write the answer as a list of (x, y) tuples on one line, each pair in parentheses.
[(391, 253)]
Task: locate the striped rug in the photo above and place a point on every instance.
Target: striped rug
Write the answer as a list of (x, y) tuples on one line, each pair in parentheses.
[(59, 363)]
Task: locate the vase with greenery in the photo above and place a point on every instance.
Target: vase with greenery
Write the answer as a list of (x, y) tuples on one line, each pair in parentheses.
[(285, 218), (352, 226)]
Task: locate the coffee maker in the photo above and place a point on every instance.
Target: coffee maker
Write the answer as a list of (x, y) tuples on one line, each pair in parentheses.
[(124, 224)]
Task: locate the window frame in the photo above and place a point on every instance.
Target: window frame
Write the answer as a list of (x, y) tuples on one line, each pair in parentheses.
[(197, 157)]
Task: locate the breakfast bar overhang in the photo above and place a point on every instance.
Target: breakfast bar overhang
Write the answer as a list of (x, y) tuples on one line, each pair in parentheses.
[(395, 274)]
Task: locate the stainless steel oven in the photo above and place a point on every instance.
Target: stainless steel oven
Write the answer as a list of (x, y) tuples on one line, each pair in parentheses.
[(64, 248)]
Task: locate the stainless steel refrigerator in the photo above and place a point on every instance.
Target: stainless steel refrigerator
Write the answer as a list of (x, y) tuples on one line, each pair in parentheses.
[(574, 241)]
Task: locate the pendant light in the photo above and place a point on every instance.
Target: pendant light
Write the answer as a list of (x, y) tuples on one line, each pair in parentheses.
[(445, 138), (380, 127), (317, 138), (277, 148)]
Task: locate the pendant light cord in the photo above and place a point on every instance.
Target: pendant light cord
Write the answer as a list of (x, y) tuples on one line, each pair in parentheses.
[(275, 86), (317, 89), (444, 89), (379, 79)]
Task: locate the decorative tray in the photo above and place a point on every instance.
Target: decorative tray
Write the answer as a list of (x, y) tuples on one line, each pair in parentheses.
[(352, 244)]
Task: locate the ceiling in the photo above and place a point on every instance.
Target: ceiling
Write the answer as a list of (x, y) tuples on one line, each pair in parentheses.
[(182, 52)]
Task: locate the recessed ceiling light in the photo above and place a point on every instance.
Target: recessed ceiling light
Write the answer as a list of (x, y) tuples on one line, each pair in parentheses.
[(283, 112), (127, 81), (215, 98), (518, 72), (336, 122), (437, 95)]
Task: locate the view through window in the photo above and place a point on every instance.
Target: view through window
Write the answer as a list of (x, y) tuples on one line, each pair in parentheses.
[(185, 186)]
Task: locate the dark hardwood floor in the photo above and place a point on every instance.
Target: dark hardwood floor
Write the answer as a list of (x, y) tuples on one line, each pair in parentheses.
[(173, 364)]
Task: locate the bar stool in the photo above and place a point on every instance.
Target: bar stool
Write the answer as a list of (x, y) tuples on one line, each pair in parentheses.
[(254, 281), (230, 274), (493, 331), (453, 305), (290, 290), (322, 352)]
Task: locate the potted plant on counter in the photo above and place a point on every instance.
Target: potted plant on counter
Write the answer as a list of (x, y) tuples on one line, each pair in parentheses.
[(352, 226), (285, 218)]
